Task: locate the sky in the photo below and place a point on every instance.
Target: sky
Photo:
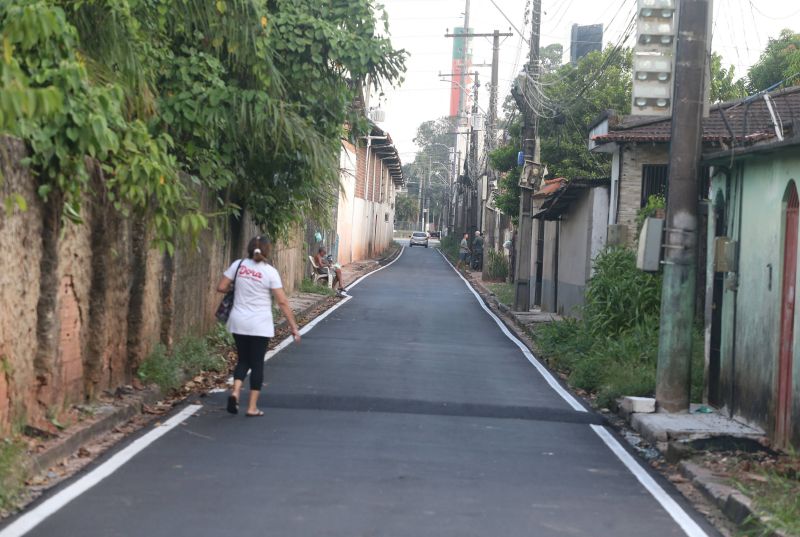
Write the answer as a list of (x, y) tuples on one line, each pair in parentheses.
[(740, 32)]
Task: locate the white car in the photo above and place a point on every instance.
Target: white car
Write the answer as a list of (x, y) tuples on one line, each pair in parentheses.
[(418, 238)]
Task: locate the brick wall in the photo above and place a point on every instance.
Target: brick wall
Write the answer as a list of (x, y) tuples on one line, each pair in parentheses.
[(634, 156), (85, 304)]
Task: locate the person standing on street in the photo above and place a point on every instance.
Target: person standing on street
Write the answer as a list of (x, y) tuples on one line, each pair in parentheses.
[(250, 320), (477, 251), (463, 252)]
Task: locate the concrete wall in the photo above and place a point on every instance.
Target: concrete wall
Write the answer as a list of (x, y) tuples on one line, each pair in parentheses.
[(85, 304), (751, 314), (634, 156), (365, 217), (581, 236), (549, 267)]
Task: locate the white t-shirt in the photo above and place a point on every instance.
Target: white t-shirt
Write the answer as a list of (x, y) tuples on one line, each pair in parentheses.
[(252, 300)]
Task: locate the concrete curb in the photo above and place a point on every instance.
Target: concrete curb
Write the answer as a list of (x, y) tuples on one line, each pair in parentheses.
[(733, 504), (114, 415)]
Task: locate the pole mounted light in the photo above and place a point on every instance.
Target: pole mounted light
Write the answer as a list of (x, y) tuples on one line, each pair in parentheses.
[(654, 57)]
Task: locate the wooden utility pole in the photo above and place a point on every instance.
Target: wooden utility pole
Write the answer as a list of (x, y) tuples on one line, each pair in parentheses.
[(491, 135), (530, 133), (680, 249)]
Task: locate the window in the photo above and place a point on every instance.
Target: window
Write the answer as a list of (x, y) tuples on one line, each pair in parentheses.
[(654, 181)]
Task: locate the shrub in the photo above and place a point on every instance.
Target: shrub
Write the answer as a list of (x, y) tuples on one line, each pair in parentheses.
[(496, 265), (655, 204), (160, 369), (13, 470), (619, 296), (613, 350), (449, 246), (611, 366), (189, 357)]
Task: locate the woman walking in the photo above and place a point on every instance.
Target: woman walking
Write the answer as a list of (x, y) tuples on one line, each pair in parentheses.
[(250, 321)]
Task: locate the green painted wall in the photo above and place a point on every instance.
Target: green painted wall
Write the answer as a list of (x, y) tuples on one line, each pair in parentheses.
[(754, 193)]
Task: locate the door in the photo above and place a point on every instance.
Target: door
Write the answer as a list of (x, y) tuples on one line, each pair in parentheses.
[(537, 289), (788, 294), (715, 350)]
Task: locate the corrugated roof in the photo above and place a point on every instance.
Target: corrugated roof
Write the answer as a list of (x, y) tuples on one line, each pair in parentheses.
[(387, 152), (745, 121), (560, 193)]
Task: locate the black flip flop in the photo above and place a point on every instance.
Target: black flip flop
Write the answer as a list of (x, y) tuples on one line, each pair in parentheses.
[(256, 415), (233, 405)]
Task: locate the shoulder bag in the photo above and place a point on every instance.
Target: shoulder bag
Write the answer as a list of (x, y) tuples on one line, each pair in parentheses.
[(226, 304)]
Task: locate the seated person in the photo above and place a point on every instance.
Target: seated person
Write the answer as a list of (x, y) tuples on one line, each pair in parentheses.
[(325, 267)]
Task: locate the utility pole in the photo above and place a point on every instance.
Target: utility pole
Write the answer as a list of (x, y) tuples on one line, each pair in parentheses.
[(491, 134), (678, 298), (419, 198), (528, 179), (472, 220)]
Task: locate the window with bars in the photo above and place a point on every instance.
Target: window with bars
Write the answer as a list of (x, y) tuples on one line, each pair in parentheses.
[(654, 181)]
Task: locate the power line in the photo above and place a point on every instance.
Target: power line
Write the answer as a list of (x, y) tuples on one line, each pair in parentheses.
[(509, 21)]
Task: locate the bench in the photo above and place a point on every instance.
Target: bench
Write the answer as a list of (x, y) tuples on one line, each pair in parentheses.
[(316, 276)]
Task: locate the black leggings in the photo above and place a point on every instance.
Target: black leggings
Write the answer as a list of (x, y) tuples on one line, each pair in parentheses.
[(251, 350)]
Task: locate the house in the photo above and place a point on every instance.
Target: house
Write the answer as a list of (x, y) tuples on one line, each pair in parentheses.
[(748, 238), (370, 174), (570, 223), (752, 331)]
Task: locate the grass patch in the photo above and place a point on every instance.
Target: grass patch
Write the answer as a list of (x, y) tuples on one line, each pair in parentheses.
[(308, 286), (12, 471), (449, 247), (613, 350), (189, 357), (496, 265), (611, 366), (503, 291), (772, 480), (777, 500)]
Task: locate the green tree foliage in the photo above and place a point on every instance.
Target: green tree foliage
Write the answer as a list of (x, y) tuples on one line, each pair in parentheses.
[(406, 208), (724, 86), (576, 94), (551, 56), (432, 163), (246, 97), (780, 60), (504, 160)]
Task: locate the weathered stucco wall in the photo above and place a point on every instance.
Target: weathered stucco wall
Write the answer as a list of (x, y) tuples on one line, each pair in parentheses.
[(751, 320), (581, 232), (364, 226), (84, 304)]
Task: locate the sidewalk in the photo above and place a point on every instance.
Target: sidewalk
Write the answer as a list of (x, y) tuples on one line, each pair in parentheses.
[(524, 319)]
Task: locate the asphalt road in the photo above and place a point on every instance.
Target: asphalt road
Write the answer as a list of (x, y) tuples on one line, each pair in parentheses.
[(406, 412)]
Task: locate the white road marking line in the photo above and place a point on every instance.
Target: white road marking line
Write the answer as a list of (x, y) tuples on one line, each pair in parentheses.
[(678, 514), (402, 249), (548, 377), (38, 514)]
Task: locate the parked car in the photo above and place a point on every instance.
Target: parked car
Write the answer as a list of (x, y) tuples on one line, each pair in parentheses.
[(418, 238), (436, 234)]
